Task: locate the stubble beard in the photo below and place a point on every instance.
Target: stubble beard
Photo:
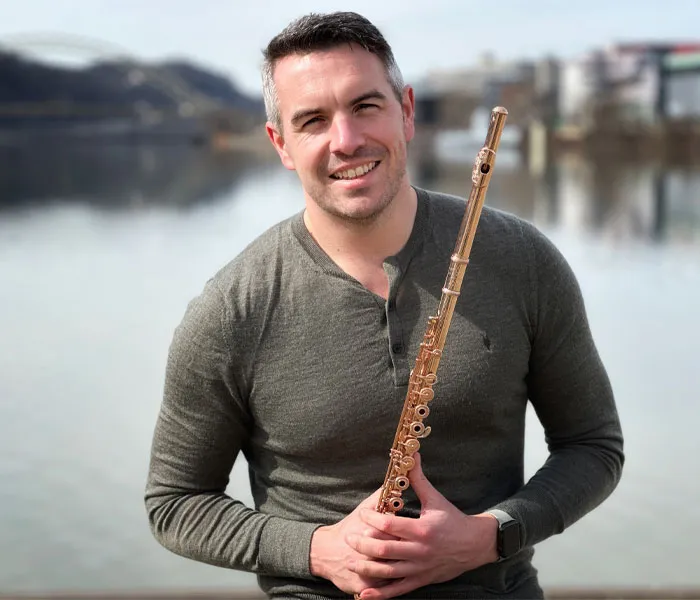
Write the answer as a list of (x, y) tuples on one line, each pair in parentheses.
[(333, 206)]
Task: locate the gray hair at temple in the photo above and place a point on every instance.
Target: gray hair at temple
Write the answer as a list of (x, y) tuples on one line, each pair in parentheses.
[(314, 32)]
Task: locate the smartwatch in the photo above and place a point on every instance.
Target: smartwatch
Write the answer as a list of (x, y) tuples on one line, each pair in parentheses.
[(508, 540)]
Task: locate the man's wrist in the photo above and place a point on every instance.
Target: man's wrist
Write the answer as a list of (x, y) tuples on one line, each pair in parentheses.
[(490, 537), (316, 552)]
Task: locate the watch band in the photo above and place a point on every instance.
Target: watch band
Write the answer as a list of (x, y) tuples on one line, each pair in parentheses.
[(501, 516), (508, 540)]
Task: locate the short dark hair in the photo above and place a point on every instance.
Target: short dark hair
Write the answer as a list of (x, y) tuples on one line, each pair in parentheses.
[(315, 32)]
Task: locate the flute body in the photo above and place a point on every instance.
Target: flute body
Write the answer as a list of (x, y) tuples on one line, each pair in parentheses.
[(423, 377)]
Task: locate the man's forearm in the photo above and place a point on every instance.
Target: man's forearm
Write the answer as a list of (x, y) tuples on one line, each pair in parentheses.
[(218, 530), (571, 483)]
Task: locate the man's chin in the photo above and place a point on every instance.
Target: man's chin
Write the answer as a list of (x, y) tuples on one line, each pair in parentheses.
[(359, 205), (360, 212)]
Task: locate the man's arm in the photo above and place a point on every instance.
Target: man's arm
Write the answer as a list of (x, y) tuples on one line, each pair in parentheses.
[(572, 396), (202, 425)]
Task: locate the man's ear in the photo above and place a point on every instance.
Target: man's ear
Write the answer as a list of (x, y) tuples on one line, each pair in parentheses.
[(280, 145), (408, 104)]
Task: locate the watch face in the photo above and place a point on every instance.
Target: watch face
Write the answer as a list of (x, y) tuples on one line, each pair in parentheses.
[(510, 539)]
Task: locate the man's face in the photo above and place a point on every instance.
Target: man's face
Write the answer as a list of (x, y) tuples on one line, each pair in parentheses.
[(343, 130)]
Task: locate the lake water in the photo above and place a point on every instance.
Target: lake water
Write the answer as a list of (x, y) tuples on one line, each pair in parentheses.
[(100, 251)]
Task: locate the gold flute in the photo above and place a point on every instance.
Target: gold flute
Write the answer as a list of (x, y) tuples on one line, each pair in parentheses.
[(423, 375)]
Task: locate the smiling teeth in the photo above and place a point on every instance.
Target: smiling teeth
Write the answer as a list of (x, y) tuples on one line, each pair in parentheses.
[(353, 173)]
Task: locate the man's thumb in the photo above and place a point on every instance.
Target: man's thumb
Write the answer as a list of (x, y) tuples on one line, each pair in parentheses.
[(419, 482), (371, 501)]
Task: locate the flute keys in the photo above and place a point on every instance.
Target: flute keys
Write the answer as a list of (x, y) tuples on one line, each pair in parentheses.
[(394, 504), (421, 411), (411, 445), (426, 394), (417, 429), (408, 462), (401, 483)]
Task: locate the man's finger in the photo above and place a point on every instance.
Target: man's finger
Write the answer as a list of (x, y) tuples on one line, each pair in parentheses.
[(391, 590), (385, 549), (371, 532), (400, 527), (371, 501), (421, 486), (389, 570)]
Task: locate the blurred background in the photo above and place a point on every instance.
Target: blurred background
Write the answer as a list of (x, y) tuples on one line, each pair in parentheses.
[(133, 165)]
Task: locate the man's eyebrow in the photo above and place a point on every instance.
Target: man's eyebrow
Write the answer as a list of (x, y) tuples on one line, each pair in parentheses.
[(371, 95), (304, 113)]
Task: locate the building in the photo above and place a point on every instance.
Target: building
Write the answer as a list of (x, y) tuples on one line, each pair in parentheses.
[(640, 83), (447, 98)]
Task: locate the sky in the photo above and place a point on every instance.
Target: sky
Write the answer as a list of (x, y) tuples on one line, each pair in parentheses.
[(228, 36)]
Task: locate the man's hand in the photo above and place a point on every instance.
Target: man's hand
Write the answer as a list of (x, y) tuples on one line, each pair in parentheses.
[(438, 546), (330, 554)]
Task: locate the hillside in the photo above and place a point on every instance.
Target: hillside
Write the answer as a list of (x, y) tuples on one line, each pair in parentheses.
[(34, 93)]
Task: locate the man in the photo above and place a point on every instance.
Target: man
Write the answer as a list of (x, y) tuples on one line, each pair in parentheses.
[(298, 352)]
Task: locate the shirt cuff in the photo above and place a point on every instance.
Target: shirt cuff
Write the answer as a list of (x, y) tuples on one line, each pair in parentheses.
[(285, 546)]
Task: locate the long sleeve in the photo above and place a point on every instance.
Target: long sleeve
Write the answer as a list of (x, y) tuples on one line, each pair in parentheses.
[(202, 426), (572, 396)]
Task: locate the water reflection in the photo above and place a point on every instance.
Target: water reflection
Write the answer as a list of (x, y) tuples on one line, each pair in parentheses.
[(117, 177), (617, 201)]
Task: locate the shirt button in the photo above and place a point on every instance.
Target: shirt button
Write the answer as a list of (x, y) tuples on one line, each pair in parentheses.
[(397, 347)]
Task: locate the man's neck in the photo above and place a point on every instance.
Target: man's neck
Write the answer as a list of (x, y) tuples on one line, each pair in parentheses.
[(360, 249), (367, 243)]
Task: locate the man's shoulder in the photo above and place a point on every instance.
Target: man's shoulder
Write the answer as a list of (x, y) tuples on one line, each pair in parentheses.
[(260, 258), (449, 209), (501, 237)]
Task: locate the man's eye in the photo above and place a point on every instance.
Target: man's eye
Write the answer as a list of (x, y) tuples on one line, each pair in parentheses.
[(312, 121), (366, 106)]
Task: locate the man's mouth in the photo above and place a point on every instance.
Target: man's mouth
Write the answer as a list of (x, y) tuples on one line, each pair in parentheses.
[(356, 172)]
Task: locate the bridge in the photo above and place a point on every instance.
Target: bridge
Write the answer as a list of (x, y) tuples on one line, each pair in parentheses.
[(185, 111), (34, 46)]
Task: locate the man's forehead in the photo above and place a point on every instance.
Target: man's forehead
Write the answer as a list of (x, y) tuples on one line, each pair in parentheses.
[(317, 81), (351, 56)]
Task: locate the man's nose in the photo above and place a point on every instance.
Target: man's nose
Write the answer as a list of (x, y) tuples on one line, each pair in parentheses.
[(346, 136)]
